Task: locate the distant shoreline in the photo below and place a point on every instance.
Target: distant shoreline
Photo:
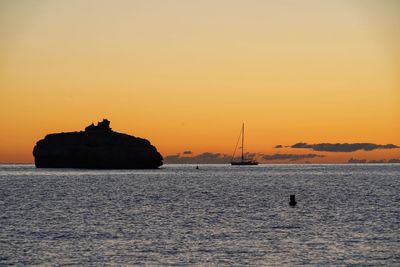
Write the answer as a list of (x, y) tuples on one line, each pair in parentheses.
[(281, 163)]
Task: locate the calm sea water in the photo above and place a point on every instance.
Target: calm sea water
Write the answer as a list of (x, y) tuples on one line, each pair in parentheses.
[(218, 215)]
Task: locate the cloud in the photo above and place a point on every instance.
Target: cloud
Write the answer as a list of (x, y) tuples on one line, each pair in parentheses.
[(249, 155), (357, 160), (291, 157), (373, 161), (343, 147), (172, 157), (278, 146), (204, 158), (187, 152), (377, 161)]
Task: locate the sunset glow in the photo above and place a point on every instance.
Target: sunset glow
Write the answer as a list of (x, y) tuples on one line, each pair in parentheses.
[(186, 74)]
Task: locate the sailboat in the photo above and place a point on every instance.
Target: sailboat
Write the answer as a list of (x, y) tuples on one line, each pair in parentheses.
[(243, 161)]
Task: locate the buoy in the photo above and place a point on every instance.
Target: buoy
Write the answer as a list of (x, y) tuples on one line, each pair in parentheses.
[(197, 167), (292, 200)]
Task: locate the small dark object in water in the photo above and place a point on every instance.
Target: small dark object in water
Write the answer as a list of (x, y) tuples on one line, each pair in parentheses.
[(197, 167), (292, 200)]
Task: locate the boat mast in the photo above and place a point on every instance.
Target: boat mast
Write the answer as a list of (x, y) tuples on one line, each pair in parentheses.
[(242, 139)]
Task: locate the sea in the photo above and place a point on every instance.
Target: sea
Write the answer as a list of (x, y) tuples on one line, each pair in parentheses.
[(218, 215)]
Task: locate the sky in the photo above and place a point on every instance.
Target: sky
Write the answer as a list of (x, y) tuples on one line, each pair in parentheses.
[(187, 74)]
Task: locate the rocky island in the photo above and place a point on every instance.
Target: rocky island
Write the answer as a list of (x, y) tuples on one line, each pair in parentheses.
[(98, 147)]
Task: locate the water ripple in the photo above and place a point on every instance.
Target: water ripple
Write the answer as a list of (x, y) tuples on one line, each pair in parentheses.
[(218, 215)]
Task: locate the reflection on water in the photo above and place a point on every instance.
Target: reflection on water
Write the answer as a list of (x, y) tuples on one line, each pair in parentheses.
[(218, 215)]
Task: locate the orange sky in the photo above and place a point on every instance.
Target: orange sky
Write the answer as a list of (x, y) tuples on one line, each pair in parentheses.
[(186, 74)]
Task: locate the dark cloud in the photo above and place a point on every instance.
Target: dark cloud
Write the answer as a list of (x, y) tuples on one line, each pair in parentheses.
[(187, 152), (357, 160), (377, 161), (343, 147), (278, 146), (291, 157), (373, 161), (171, 157), (204, 158), (250, 155)]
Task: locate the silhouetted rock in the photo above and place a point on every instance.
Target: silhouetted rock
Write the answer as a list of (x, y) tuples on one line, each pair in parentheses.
[(98, 147)]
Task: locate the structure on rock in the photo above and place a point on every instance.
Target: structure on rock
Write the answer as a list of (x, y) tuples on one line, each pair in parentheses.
[(98, 147), (101, 126)]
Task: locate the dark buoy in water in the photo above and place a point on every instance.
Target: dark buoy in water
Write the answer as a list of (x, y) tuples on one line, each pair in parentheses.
[(197, 167), (292, 200)]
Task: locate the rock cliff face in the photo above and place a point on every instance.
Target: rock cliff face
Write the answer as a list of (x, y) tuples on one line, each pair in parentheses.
[(98, 147)]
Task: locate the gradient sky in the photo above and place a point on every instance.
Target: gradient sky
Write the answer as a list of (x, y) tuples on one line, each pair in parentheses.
[(186, 74)]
